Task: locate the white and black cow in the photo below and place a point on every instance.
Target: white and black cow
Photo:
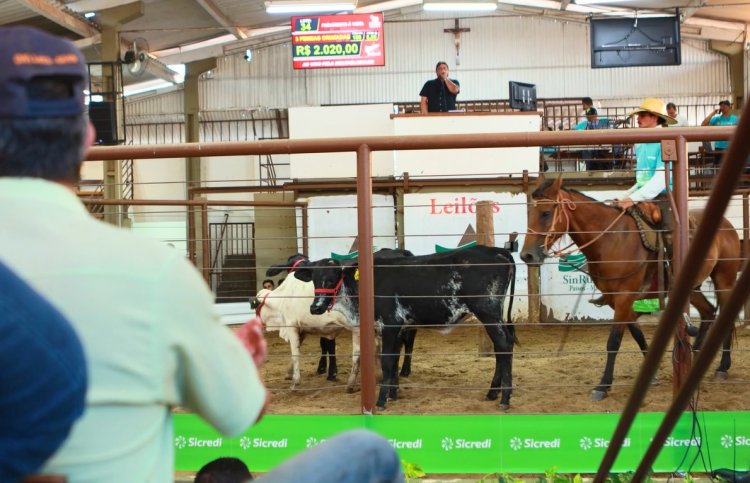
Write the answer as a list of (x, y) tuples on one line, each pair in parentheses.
[(426, 290)]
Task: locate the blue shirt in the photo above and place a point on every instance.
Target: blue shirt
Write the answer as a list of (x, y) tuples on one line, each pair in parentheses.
[(42, 379), (721, 120)]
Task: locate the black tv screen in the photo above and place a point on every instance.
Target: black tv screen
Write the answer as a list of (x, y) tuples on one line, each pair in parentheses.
[(522, 96), (629, 42)]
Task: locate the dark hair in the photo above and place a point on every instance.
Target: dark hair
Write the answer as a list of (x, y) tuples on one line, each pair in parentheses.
[(671, 104), (587, 100), (725, 102), (269, 280), (50, 148), (224, 470), (437, 66)]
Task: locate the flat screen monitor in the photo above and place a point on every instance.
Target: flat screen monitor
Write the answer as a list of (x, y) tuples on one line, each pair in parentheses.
[(329, 41), (628, 42), (522, 96)]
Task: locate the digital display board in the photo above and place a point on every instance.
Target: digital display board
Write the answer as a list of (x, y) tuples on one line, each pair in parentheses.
[(325, 41)]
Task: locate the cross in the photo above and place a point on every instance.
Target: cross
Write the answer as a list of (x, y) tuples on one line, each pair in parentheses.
[(457, 31)]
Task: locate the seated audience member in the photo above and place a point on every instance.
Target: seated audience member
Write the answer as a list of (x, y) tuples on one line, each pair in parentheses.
[(144, 315), (268, 284), (224, 470), (721, 117), (42, 379), (356, 456), (672, 111), (596, 159)]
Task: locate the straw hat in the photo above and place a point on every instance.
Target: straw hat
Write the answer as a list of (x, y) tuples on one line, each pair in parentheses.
[(657, 107)]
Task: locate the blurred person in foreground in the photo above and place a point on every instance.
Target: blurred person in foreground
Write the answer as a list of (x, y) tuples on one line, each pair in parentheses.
[(42, 379), (144, 315)]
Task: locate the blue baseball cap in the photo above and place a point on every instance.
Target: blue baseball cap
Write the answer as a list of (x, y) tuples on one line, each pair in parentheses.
[(27, 53)]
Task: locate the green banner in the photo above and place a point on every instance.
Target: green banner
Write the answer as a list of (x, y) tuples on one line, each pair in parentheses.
[(484, 443)]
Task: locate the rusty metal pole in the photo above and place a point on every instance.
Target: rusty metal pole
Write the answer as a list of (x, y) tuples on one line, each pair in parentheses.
[(305, 232), (746, 246), (205, 244), (682, 351), (366, 278), (486, 237)]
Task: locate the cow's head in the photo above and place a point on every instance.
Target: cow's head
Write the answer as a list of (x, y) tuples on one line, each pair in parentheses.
[(543, 229), (327, 275)]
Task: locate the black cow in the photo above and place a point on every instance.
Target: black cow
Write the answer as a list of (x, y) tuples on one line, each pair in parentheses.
[(327, 360), (431, 289)]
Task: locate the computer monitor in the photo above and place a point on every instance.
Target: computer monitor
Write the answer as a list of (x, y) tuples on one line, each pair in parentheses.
[(522, 96)]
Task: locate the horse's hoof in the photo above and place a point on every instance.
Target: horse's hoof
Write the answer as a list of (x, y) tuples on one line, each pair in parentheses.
[(721, 375), (504, 407), (692, 330), (598, 395)]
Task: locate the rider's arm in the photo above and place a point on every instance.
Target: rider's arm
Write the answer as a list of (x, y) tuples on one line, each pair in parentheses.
[(651, 189)]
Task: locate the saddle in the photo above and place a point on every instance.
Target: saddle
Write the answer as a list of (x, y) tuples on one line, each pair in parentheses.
[(648, 218)]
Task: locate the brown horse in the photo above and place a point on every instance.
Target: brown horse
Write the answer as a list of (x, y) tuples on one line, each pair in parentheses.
[(619, 264)]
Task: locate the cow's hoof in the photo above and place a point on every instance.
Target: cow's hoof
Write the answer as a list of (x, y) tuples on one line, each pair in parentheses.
[(492, 395), (351, 389), (322, 369), (332, 378), (721, 375), (504, 406), (380, 408), (598, 395), (404, 373)]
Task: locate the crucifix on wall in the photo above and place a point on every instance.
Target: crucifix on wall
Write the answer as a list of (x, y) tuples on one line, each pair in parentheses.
[(457, 31)]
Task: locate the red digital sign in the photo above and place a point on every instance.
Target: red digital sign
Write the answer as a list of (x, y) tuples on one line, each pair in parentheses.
[(326, 41)]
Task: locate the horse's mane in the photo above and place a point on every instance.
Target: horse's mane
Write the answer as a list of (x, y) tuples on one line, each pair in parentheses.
[(539, 193)]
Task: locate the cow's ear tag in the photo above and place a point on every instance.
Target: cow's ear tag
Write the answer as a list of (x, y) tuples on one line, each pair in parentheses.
[(356, 275)]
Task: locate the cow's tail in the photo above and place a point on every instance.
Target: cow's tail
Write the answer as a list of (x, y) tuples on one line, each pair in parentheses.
[(510, 325)]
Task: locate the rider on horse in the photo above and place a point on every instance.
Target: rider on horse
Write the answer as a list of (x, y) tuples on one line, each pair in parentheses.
[(649, 180)]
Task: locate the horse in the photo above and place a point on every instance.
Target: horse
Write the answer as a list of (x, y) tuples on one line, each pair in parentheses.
[(620, 266)]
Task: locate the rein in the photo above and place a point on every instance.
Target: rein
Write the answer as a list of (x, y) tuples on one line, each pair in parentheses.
[(563, 207), (331, 291), (260, 306), (294, 265)]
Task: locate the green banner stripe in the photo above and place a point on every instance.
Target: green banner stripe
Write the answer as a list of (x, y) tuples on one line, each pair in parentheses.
[(483, 443)]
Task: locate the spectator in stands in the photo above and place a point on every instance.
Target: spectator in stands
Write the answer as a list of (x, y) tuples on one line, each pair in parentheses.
[(672, 111), (439, 94), (595, 159), (721, 117), (144, 315), (42, 379), (224, 470), (268, 284)]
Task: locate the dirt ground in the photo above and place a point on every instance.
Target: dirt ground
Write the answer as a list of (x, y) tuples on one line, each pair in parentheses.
[(554, 370)]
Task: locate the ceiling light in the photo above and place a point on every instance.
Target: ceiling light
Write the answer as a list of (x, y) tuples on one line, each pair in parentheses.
[(459, 6), (280, 6)]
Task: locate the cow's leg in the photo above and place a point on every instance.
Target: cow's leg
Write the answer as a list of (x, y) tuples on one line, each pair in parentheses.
[(295, 340), (407, 338), (333, 370), (323, 362), (502, 343), (352, 381), (389, 361)]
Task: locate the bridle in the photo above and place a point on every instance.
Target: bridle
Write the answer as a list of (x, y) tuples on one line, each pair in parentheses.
[(563, 206), (333, 292)]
